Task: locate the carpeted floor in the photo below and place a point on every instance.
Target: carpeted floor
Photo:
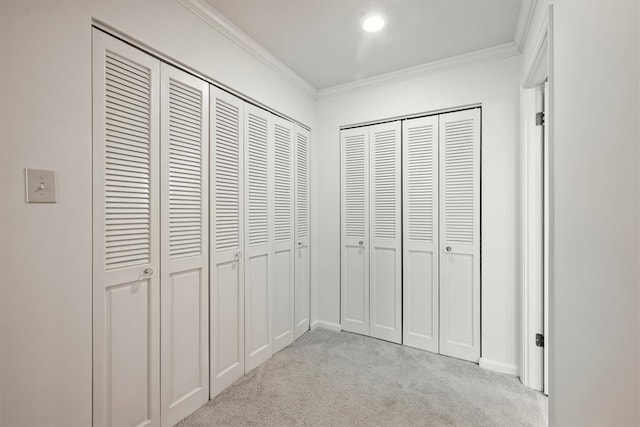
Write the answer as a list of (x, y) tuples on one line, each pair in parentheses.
[(341, 379)]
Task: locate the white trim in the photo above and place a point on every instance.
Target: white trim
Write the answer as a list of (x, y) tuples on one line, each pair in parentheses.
[(542, 44), (525, 16), (532, 244), (221, 24), (327, 325), (494, 365), (466, 60)]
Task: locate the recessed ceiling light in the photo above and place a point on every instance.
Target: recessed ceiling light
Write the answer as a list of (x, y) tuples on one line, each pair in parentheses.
[(372, 23)]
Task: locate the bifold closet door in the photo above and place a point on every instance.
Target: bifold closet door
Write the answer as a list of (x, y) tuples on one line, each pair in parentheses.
[(184, 213), (227, 237), (354, 274), (420, 233), (283, 255), (302, 231), (460, 234), (258, 225), (126, 235), (385, 253)]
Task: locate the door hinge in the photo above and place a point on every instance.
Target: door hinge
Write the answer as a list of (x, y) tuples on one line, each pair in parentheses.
[(540, 118), (539, 340)]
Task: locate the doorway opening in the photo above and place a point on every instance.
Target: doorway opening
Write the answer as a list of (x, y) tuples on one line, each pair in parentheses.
[(537, 201)]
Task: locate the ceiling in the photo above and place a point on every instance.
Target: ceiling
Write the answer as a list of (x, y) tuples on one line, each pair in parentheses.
[(321, 40)]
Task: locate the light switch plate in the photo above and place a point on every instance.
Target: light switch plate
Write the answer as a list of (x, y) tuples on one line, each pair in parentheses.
[(40, 186)]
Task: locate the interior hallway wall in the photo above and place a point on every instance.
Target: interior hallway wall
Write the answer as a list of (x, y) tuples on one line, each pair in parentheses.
[(495, 85), (45, 113), (595, 330)]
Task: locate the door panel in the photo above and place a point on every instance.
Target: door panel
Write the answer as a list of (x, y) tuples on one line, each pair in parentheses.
[(227, 352), (126, 244), (356, 296), (282, 299), (258, 334), (460, 234), (282, 185), (128, 308), (184, 295), (186, 290), (385, 301), (458, 299), (386, 234), (258, 226), (420, 233), (420, 323), (227, 303), (302, 231), (354, 274)]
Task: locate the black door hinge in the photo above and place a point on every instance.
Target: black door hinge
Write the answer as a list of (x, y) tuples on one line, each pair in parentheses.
[(539, 340), (540, 119)]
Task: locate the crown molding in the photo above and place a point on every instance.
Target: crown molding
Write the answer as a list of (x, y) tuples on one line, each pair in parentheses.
[(221, 24), (466, 60), (527, 8)]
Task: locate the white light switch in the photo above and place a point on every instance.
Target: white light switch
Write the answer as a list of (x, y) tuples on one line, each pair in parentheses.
[(40, 186)]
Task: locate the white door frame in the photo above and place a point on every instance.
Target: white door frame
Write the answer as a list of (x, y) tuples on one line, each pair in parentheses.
[(534, 262)]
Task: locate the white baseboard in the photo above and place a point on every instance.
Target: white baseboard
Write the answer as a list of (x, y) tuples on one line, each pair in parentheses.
[(313, 325), (326, 325), (501, 367)]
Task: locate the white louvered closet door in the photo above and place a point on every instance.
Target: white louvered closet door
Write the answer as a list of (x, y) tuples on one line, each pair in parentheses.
[(184, 294), (258, 219), (460, 234), (385, 253), (126, 238), (283, 256), (354, 274), (420, 233), (302, 230), (227, 240)]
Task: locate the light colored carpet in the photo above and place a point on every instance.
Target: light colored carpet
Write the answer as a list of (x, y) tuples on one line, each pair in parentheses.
[(341, 379)]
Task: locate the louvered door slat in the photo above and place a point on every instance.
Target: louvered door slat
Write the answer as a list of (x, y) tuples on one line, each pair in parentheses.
[(354, 185), (459, 234), (125, 163), (459, 179), (283, 192), (385, 251), (257, 207), (185, 172), (185, 272), (302, 230), (420, 233)]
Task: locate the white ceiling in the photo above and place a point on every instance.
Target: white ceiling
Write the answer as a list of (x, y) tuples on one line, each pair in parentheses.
[(322, 41)]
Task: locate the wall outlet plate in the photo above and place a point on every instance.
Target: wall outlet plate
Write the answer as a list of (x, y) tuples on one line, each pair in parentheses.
[(40, 186)]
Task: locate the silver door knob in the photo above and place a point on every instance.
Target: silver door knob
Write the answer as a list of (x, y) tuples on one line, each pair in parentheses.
[(238, 255), (361, 243), (148, 272), (448, 249), (300, 244)]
